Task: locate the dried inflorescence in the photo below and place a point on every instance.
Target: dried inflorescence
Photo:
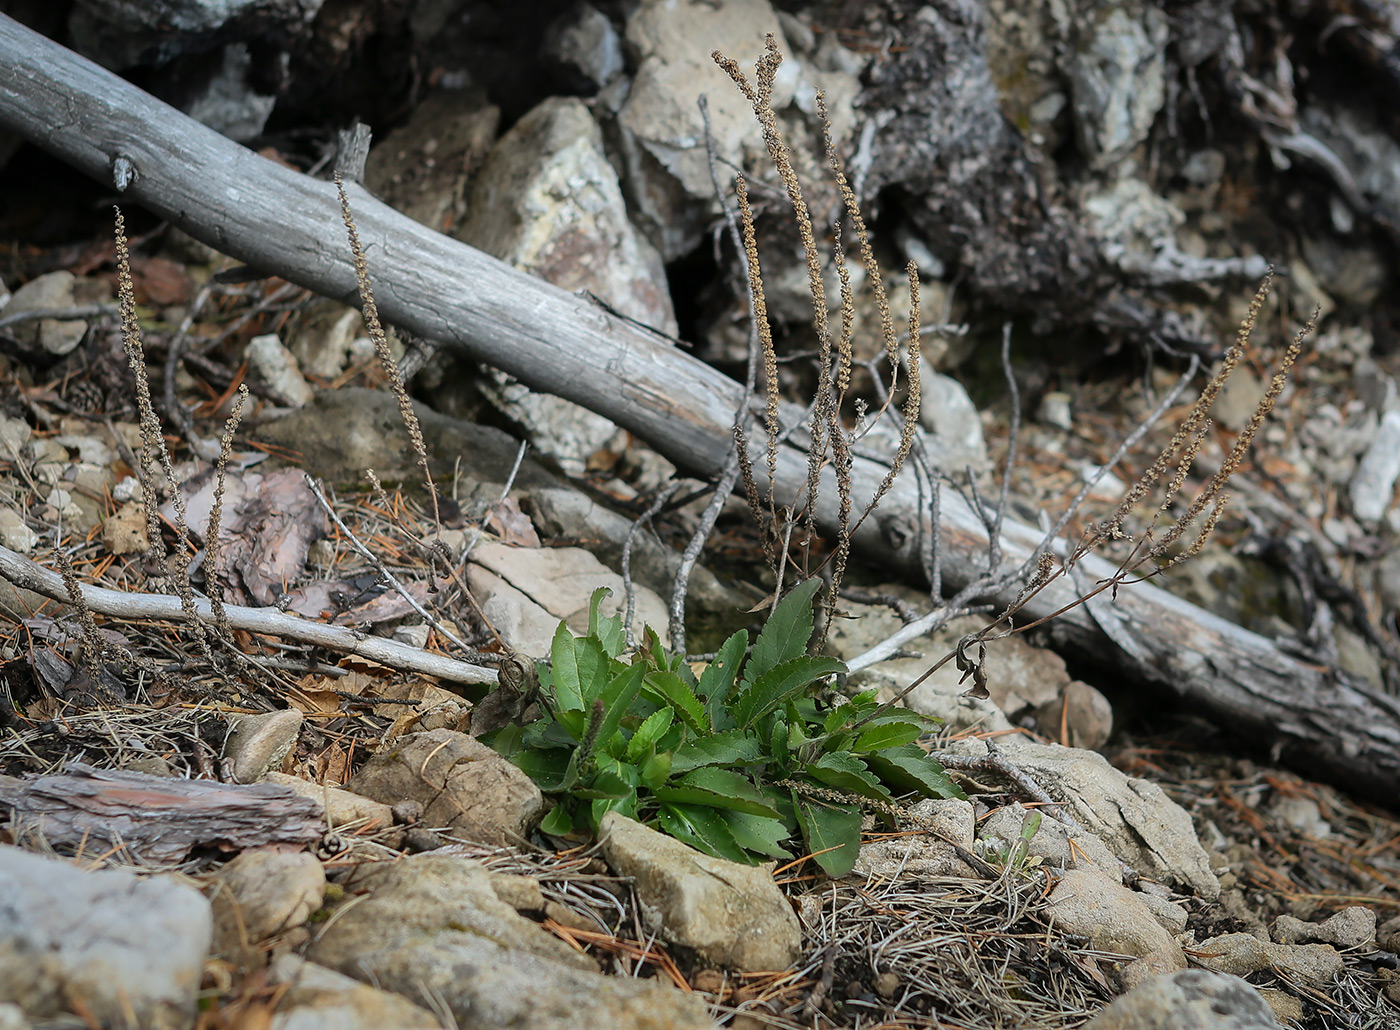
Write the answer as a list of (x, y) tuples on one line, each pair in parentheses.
[(830, 441)]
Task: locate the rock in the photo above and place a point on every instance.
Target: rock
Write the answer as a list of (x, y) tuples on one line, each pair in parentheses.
[(128, 947), (260, 894), (51, 292), (1301, 814), (1172, 916), (949, 414), (522, 623), (1019, 675), (661, 132), (1138, 822), (1087, 903), (1373, 485), (318, 998), (1241, 954), (584, 48), (424, 167), (432, 928), (730, 915), (1193, 999), (921, 857), (14, 432), (15, 532), (257, 743), (343, 432), (279, 369), (1352, 927), (1054, 842), (1388, 934), (461, 783), (1082, 713), (547, 201), (1118, 79), (561, 580), (223, 97), (12, 1018), (126, 530)]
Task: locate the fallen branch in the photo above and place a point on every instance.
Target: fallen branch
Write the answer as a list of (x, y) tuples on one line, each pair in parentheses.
[(1320, 720), (120, 604)]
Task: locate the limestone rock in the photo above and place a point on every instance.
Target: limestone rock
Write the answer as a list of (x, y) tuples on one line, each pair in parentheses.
[(15, 532), (662, 134), (1193, 999), (1350, 928), (921, 857), (460, 782), (1088, 903), (1118, 80), (279, 369), (1242, 954), (561, 580), (257, 743), (1054, 842), (51, 292), (1135, 818), (731, 915), (318, 998), (432, 928), (548, 202), (342, 808), (121, 943), (262, 893)]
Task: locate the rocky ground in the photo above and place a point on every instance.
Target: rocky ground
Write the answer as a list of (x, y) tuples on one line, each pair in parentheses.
[(294, 839)]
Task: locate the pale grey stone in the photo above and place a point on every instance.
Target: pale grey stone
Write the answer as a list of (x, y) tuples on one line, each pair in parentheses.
[(731, 915), (257, 743), (1352, 927), (1373, 484), (1193, 999), (1118, 80), (461, 783), (432, 927), (262, 893), (1088, 903), (318, 998), (1055, 843), (279, 369), (15, 532), (1241, 954), (1134, 817), (50, 292), (119, 942)]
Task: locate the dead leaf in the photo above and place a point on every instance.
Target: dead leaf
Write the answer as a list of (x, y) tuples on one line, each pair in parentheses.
[(512, 525), (125, 532)]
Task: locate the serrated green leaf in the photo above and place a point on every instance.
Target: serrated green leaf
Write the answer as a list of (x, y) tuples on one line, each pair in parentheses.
[(717, 681), (606, 629), (886, 735), (703, 829), (558, 823), (831, 833), (617, 697), (680, 697), (762, 835), (910, 768), (846, 772), (786, 633), (580, 669), (606, 784), (545, 767), (732, 747), (717, 788), (507, 741), (785, 681), (778, 742), (648, 733), (655, 770)]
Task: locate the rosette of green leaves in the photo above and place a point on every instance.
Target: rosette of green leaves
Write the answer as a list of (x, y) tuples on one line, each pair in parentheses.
[(738, 762)]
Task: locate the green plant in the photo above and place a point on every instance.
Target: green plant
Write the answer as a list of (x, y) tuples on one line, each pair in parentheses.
[(737, 761)]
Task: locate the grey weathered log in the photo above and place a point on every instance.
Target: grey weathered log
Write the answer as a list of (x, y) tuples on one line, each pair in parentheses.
[(1326, 724)]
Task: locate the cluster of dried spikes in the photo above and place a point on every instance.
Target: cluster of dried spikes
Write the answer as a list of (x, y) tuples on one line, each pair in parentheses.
[(831, 441)]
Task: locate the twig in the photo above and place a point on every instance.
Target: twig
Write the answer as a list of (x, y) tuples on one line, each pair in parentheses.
[(29, 575), (1013, 433), (62, 314)]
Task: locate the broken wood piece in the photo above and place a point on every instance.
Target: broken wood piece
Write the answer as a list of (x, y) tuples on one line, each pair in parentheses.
[(155, 820)]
